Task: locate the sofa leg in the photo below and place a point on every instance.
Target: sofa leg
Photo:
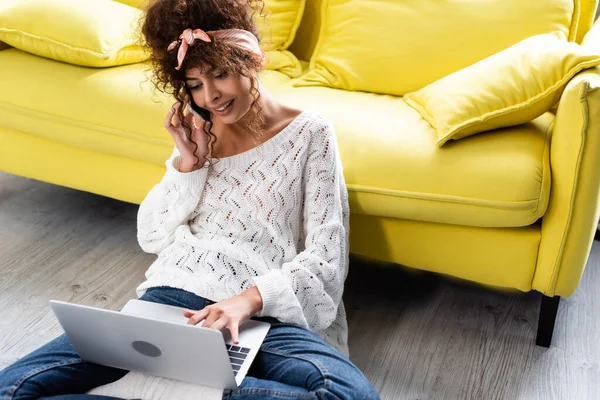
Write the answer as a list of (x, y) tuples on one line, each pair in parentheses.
[(548, 312)]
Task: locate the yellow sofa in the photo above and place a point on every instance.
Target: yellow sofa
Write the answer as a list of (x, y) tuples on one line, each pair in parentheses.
[(514, 208)]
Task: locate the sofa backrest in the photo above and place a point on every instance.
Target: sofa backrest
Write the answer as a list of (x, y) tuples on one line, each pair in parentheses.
[(462, 31), (501, 21)]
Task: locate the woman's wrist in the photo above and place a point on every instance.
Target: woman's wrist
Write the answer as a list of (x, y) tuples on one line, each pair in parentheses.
[(255, 299), (186, 168)]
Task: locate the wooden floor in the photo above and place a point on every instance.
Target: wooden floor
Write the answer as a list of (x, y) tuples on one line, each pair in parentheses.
[(415, 335)]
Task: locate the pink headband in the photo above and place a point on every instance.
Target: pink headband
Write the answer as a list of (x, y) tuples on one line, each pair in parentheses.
[(236, 37)]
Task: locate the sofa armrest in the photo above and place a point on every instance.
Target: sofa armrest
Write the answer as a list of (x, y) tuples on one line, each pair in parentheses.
[(570, 222)]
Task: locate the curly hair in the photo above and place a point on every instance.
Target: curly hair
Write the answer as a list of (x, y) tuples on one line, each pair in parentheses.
[(165, 20)]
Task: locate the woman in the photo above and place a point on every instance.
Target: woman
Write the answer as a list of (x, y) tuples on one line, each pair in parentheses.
[(250, 219)]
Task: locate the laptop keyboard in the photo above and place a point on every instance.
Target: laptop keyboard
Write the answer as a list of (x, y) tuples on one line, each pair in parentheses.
[(237, 355)]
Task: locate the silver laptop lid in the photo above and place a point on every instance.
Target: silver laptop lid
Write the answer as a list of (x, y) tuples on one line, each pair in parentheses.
[(162, 348), (250, 336)]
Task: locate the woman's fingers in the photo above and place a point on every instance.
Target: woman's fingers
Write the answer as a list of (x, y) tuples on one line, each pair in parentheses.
[(196, 317), (233, 329), (190, 120), (171, 123), (219, 323), (229, 323), (169, 117), (214, 319), (211, 318), (176, 121)]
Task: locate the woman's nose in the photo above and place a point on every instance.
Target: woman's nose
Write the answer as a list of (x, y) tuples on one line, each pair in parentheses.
[(212, 94)]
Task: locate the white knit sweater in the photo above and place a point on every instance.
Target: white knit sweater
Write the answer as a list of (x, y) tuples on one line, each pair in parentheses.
[(275, 216)]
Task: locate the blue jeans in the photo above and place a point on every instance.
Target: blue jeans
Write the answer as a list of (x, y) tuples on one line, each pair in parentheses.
[(293, 363)]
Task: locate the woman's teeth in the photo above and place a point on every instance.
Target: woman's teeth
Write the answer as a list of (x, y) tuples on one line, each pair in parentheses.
[(224, 107)]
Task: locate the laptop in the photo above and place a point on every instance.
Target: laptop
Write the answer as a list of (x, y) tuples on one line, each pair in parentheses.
[(156, 339)]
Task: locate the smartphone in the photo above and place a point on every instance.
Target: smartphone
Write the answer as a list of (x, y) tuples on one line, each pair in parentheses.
[(201, 113)]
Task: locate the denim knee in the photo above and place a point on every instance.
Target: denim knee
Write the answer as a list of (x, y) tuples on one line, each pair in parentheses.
[(25, 381), (349, 383), (339, 385), (365, 390), (18, 387), (361, 390)]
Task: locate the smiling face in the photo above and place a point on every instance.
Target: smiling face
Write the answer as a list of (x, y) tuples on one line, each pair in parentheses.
[(227, 97)]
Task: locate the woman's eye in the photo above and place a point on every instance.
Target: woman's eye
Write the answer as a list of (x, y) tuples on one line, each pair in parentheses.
[(220, 75), (194, 87)]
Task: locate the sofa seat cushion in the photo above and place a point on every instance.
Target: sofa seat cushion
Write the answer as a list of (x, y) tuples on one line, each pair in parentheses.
[(109, 110), (394, 168)]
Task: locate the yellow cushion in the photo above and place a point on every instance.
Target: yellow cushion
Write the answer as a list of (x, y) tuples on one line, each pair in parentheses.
[(97, 33), (278, 27), (396, 47), (106, 110), (283, 61), (277, 30), (508, 88), (393, 168)]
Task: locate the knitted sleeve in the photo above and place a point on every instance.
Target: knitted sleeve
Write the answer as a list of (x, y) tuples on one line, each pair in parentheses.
[(308, 289), (168, 205)]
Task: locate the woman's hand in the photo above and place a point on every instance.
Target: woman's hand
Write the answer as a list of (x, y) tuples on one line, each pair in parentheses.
[(192, 158), (229, 313)]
